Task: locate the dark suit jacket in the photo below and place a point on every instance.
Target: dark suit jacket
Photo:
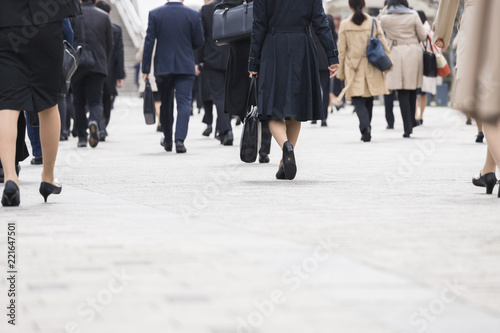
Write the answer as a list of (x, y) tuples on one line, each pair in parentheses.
[(178, 32), (211, 55), (116, 68), (14, 13), (98, 35)]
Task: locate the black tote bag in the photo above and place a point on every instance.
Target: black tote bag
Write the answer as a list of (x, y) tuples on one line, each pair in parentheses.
[(232, 24), (249, 146), (149, 105), (430, 60)]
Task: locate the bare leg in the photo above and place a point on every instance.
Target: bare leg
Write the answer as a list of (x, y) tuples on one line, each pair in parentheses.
[(489, 165), (423, 105), (8, 137), (293, 131), (50, 127), (278, 129), (479, 124), (492, 133), (157, 109)]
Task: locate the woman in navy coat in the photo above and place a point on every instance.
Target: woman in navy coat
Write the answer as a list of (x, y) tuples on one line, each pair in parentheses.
[(284, 57)]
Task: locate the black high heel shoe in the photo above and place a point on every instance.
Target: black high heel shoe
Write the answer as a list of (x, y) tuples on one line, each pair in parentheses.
[(488, 180), (289, 161), (47, 189), (281, 173), (11, 197)]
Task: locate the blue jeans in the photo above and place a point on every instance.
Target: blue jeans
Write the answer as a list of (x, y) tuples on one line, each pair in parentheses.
[(34, 135)]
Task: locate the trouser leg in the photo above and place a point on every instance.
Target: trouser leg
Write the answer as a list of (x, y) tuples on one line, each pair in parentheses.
[(266, 138), (208, 117), (166, 89), (389, 106), (94, 89), (183, 95), (362, 112), (80, 103), (404, 104), (325, 85), (34, 136), (216, 79), (63, 112)]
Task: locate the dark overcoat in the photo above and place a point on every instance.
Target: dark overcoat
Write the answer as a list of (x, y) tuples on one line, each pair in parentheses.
[(211, 55), (116, 68), (283, 53), (15, 13)]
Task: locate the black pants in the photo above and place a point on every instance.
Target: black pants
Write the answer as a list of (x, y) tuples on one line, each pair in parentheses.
[(107, 103), (364, 109), (325, 85), (389, 107), (21, 150), (182, 84), (208, 117), (408, 103), (216, 79), (88, 91), (266, 138)]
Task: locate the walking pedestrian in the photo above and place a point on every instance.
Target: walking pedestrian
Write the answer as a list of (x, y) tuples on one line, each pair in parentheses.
[(93, 30), (213, 62), (33, 66), (116, 71), (363, 81), (282, 54), (475, 90), (404, 32), (177, 32)]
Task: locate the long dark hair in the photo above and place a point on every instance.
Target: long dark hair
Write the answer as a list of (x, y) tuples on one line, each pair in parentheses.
[(422, 15), (391, 3), (358, 5)]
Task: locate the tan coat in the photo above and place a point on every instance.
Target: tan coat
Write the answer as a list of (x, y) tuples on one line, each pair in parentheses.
[(476, 90), (404, 33), (362, 79)]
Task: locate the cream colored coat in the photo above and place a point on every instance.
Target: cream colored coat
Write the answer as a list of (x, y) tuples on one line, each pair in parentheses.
[(477, 82), (362, 79), (404, 33)]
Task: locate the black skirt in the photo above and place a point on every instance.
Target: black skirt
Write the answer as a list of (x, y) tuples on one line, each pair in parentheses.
[(289, 83), (30, 67)]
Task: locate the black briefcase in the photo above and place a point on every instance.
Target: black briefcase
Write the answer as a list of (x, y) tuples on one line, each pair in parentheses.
[(249, 145), (149, 105), (232, 24)]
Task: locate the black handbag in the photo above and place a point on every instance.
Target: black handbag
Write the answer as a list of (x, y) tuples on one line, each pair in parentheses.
[(87, 60), (375, 52), (232, 24), (249, 145), (149, 105), (71, 61), (430, 60)]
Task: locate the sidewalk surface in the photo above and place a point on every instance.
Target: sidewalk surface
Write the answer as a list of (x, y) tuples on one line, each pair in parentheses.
[(388, 236)]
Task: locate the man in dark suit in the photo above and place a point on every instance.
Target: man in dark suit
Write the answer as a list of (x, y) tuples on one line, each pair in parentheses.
[(177, 31), (213, 61), (116, 70)]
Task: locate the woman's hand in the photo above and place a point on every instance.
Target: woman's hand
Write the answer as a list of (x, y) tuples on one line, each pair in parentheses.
[(440, 43), (333, 70), (252, 74)]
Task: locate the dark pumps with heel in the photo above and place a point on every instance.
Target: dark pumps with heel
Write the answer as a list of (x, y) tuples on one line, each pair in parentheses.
[(289, 164), (47, 189), (11, 196), (488, 180)]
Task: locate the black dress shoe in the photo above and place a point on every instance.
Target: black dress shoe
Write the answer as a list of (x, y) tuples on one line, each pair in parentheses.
[(314, 122), (366, 136), (2, 175), (228, 139), (159, 129), (406, 135), (207, 131), (480, 137), (166, 145), (10, 196), (264, 159), (64, 136), (94, 134), (281, 173), (289, 161), (217, 136), (324, 123), (179, 147), (389, 127), (37, 160), (488, 180), (82, 142), (47, 189)]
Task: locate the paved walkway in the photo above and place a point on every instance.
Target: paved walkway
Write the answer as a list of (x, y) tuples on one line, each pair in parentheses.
[(387, 237)]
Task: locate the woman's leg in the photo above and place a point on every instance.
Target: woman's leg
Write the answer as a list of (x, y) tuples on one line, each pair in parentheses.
[(293, 130), (50, 127), (8, 137), (489, 165), (492, 133), (423, 105), (278, 129), (404, 104)]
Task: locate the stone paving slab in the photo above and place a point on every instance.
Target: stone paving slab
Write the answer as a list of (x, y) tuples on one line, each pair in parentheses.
[(204, 238)]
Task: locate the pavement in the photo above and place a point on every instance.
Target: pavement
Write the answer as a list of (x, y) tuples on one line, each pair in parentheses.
[(388, 236)]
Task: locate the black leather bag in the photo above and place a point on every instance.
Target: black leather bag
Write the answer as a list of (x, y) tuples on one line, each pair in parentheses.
[(87, 60), (375, 52), (232, 24), (71, 61), (149, 105), (430, 60), (249, 146)]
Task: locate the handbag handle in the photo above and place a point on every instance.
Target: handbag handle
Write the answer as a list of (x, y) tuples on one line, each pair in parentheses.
[(426, 45), (374, 25), (253, 88)]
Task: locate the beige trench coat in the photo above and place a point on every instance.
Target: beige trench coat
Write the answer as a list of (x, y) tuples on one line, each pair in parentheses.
[(404, 33), (476, 90), (362, 79)]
